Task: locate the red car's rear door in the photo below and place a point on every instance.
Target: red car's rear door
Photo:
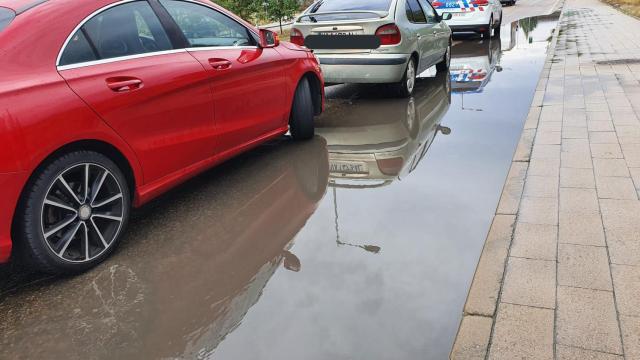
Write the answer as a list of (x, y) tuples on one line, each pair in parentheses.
[(122, 63), (248, 82)]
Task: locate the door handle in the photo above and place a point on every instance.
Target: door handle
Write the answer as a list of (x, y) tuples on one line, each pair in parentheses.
[(419, 36), (435, 32), (220, 64), (124, 84)]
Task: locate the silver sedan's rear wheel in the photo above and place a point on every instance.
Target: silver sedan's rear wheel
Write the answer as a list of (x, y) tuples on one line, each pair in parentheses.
[(75, 212), (405, 87)]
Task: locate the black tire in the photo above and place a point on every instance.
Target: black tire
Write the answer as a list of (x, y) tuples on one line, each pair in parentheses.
[(33, 245), (446, 61), (301, 122), (487, 32), (403, 89), (496, 31)]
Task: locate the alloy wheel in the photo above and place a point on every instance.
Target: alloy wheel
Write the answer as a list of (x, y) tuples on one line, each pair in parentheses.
[(82, 213), (411, 76)]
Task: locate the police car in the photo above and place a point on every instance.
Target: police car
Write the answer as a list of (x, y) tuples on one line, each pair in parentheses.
[(481, 16)]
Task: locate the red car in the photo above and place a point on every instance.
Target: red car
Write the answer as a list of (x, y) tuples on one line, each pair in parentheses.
[(106, 104)]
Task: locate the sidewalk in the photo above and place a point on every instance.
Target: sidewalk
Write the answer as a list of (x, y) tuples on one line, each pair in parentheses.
[(559, 276)]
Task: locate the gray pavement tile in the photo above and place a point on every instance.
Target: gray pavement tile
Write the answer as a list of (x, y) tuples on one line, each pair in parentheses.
[(522, 332), (530, 282), (626, 282), (535, 241), (603, 137), (577, 178), (603, 115), (581, 229), (541, 186), (583, 266), (610, 187), (606, 151), (576, 160), (578, 201), (630, 326), (595, 126), (544, 167), (574, 132), (587, 319), (632, 154), (485, 288), (545, 151), (535, 210), (572, 353), (548, 137), (610, 167), (472, 341), (523, 150)]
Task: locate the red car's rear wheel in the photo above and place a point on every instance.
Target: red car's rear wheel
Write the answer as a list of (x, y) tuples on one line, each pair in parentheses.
[(74, 212)]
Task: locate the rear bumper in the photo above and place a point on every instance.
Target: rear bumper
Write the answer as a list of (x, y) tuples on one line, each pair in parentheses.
[(369, 68), (469, 28), (10, 188), (470, 21)]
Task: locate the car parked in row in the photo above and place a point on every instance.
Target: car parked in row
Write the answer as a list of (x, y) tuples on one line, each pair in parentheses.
[(119, 101), (481, 16), (375, 41)]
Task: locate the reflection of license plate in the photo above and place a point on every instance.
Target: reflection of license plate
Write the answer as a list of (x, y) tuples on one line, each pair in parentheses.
[(458, 14), (342, 167), (340, 33)]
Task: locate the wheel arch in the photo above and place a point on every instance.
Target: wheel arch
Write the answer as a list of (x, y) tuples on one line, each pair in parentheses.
[(99, 146), (317, 90)]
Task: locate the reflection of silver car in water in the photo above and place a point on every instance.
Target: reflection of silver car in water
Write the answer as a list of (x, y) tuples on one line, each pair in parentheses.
[(373, 141), (473, 63)]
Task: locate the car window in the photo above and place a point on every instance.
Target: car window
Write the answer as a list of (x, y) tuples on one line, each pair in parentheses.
[(417, 13), (340, 5), (6, 17), (204, 26), (428, 10), (123, 30), (325, 6)]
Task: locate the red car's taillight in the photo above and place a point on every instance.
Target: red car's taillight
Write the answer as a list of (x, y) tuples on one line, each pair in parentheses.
[(479, 2), (297, 37), (389, 34), (437, 4)]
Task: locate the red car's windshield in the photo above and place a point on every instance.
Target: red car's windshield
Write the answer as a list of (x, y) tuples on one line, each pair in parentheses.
[(6, 17)]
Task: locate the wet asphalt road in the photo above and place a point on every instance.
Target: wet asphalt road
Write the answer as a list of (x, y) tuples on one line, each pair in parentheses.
[(360, 244)]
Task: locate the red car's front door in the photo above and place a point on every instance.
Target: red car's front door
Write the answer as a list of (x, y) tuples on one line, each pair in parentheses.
[(248, 83), (122, 63)]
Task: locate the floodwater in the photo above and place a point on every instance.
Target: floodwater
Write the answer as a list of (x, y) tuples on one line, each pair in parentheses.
[(360, 244)]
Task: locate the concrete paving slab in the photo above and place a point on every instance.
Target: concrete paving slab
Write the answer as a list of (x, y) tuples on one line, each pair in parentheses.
[(584, 266), (522, 332), (530, 282), (587, 319)]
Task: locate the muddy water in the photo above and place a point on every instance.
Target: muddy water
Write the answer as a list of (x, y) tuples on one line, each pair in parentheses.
[(360, 244)]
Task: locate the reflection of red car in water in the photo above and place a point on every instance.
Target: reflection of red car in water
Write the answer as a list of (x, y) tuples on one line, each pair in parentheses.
[(206, 256), (106, 104)]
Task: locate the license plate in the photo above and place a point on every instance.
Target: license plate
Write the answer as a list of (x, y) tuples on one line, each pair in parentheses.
[(458, 14), (342, 167), (340, 33)]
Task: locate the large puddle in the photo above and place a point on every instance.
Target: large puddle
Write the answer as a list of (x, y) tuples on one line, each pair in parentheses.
[(360, 244)]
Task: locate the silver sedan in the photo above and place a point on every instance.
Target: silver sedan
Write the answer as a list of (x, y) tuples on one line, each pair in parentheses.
[(375, 41)]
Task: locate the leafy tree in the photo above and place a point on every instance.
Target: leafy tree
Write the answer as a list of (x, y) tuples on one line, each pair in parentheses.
[(278, 10), (243, 8)]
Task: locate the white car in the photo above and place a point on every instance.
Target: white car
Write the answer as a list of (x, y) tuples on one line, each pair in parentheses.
[(479, 16)]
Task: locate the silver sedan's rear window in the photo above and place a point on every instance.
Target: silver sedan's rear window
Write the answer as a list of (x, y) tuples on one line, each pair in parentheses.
[(342, 5), (6, 17), (350, 7)]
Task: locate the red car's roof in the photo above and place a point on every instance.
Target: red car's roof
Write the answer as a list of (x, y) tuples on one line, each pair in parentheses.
[(18, 5)]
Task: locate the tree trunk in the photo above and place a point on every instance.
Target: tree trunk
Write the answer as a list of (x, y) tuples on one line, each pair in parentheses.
[(281, 26)]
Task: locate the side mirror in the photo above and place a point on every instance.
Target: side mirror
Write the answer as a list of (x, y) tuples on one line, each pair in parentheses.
[(268, 39), (447, 16)]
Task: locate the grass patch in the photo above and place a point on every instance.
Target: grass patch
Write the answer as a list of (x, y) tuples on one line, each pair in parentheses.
[(631, 7)]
